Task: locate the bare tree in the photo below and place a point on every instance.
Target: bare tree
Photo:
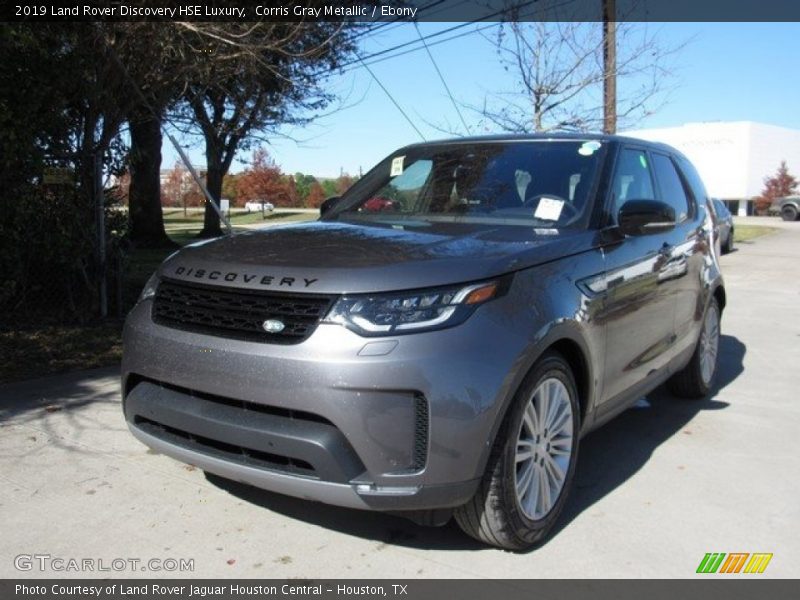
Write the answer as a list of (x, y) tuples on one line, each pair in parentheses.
[(226, 81), (559, 72), (262, 76)]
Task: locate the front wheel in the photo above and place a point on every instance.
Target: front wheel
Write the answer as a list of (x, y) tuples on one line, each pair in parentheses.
[(696, 379), (789, 213), (532, 463)]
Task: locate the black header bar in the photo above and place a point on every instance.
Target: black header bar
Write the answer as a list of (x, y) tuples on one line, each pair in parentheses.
[(400, 10), (702, 588)]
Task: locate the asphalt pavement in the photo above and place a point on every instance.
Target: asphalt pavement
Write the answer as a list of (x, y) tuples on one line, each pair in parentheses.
[(657, 488)]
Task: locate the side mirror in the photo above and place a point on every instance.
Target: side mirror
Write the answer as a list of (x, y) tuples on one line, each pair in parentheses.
[(328, 204), (642, 217)]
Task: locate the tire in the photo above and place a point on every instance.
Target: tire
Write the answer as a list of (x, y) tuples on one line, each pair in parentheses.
[(695, 380), (789, 213), (498, 514), (728, 247)]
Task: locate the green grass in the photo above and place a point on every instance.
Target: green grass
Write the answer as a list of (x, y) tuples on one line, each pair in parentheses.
[(745, 233), (175, 219)]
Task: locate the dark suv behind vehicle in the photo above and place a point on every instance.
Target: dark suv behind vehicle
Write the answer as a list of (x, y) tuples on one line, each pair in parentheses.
[(443, 349)]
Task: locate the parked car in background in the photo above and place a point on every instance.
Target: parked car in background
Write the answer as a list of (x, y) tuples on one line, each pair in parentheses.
[(724, 225), (442, 358), (259, 206), (788, 208), (378, 204)]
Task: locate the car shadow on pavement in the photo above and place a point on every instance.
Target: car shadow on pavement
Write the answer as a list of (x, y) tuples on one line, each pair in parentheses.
[(615, 452), (608, 458), (30, 400)]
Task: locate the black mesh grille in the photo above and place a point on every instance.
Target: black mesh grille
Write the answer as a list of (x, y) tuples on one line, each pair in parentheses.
[(420, 432), (238, 313)]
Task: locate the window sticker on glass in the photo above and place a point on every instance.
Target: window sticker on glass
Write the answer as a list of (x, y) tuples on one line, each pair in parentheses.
[(397, 166), (589, 148), (548, 209)]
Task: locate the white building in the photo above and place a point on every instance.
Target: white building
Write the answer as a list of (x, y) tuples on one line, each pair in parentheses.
[(733, 157)]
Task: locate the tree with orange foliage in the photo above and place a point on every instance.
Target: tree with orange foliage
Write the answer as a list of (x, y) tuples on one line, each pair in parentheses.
[(316, 196), (263, 180), (780, 185), (174, 187), (179, 189)]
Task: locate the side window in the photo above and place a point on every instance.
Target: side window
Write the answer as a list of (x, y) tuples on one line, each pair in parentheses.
[(695, 181), (671, 186), (632, 179)]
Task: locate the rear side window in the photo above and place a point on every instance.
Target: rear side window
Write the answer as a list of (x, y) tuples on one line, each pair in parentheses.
[(693, 179), (671, 186), (632, 179)]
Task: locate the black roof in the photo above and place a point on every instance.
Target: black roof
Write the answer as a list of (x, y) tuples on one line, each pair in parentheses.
[(521, 137)]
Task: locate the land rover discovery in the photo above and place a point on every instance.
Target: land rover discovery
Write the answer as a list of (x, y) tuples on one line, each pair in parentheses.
[(439, 341)]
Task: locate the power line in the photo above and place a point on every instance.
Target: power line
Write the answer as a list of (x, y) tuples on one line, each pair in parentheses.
[(362, 61), (423, 39), (430, 45), (497, 13), (441, 78), (356, 63), (371, 31), (403, 45), (402, 112)]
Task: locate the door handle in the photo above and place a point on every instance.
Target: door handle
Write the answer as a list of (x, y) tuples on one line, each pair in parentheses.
[(676, 266), (666, 250)]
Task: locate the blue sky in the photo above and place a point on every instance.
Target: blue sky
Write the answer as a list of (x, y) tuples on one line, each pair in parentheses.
[(726, 72)]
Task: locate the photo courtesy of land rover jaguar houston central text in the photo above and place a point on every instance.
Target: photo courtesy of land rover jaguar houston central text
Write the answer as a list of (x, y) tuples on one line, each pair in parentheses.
[(439, 341)]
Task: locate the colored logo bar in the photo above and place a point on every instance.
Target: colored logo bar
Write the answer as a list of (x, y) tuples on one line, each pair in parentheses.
[(734, 562)]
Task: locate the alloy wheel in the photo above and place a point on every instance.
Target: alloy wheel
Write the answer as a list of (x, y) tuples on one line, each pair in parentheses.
[(544, 448), (709, 345)]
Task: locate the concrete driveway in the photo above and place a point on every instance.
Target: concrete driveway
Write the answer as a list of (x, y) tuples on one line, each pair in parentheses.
[(657, 488)]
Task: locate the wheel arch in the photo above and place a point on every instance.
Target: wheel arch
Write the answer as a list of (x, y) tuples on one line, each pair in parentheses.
[(578, 363), (570, 344), (720, 296)]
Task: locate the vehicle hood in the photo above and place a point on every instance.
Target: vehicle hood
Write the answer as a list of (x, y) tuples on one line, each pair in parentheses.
[(334, 257)]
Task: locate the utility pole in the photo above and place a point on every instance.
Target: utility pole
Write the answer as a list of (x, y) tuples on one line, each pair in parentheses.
[(609, 66)]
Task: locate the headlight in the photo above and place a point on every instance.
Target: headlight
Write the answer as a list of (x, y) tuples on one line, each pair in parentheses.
[(411, 312), (149, 288)]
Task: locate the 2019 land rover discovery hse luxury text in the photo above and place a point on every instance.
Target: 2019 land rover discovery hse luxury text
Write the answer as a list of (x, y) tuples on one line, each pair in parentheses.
[(440, 340)]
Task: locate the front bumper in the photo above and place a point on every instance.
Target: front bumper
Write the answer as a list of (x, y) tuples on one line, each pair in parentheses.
[(401, 423), (366, 497)]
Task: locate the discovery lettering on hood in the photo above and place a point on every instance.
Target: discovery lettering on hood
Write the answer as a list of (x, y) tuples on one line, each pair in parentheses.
[(231, 276)]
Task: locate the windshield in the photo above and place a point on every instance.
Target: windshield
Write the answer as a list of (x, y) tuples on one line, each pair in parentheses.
[(541, 183)]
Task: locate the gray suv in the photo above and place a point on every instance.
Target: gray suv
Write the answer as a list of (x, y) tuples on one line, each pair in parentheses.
[(788, 208), (437, 344)]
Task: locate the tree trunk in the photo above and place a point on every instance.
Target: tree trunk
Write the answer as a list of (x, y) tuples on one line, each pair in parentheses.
[(146, 215), (211, 224)]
